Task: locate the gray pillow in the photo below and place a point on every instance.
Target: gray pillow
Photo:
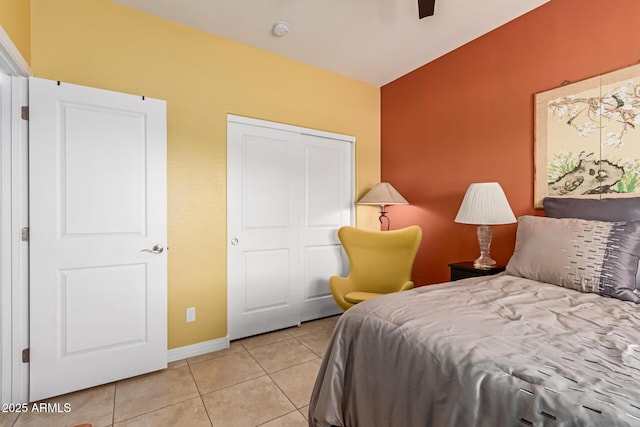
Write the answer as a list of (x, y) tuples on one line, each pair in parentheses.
[(588, 256), (621, 209)]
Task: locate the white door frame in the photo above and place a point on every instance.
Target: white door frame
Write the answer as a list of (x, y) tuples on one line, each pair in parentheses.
[(14, 301)]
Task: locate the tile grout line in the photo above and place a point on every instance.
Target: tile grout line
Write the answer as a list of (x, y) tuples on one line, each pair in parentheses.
[(206, 410), (288, 367), (285, 330), (291, 366), (113, 410), (200, 395), (309, 348), (269, 374), (270, 343), (277, 386), (233, 385), (217, 357), (156, 409), (194, 380), (280, 416), (264, 373)]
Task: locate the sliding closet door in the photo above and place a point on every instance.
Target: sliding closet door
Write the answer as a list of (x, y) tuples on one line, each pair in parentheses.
[(328, 205), (285, 202), (262, 223)]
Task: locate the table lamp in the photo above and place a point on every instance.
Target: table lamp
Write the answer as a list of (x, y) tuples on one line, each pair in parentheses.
[(484, 205)]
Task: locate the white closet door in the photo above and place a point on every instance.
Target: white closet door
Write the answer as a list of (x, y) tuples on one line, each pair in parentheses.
[(287, 195), (263, 224), (328, 205), (98, 291)]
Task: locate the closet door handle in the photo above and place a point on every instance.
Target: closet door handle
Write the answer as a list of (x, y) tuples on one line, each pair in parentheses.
[(157, 249)]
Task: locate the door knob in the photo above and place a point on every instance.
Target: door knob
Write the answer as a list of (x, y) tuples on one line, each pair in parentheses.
[(157, 249)]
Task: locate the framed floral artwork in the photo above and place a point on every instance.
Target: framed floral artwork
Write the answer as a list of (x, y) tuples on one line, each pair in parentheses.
[(587, 138)]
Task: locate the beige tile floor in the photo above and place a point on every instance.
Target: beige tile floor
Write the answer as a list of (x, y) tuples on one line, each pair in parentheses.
[(264, 380)]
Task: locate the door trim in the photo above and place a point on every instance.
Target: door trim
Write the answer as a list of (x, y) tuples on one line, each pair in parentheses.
[(291, 128), (11, 60), (13, 252)]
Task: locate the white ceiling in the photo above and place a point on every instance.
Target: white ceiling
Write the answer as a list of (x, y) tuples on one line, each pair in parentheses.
[(375, 41)]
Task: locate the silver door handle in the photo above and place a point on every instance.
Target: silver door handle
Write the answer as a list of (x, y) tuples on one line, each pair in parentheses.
[(157, 249)]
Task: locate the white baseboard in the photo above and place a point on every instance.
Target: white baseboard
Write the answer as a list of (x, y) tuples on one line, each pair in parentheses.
[(198, 349)]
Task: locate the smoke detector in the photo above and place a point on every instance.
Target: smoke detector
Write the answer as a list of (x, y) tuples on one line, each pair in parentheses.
[(280, 28)]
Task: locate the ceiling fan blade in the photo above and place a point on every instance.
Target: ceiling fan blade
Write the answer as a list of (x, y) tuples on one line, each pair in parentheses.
[(426, 8)]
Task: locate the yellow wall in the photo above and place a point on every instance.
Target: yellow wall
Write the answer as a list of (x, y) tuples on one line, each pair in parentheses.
[(202, 77), (14, 18)]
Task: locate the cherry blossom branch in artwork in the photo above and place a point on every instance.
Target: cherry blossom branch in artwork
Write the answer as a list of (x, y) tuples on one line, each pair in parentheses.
[(587, 115)]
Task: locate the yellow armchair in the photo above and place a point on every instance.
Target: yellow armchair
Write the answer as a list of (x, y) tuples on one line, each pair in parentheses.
[(380, 263)]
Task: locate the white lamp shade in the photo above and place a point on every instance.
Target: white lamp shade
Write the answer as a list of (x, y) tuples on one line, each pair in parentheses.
[(383, 193), (485, 204)]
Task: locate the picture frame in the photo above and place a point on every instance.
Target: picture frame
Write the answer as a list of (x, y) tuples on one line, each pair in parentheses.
[(587, 138)]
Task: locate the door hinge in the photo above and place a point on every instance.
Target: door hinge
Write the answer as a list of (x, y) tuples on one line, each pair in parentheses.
[(24, 234), (25, 355), (25, 113)]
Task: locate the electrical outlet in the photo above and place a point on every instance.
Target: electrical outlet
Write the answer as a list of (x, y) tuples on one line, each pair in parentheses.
[(191, 314)]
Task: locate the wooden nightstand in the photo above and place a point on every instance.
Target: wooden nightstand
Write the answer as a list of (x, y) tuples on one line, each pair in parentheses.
[(465, 269)]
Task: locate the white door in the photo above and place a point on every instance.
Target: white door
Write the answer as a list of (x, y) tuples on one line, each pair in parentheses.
[(327, 205), (287, 195), (98, 292)]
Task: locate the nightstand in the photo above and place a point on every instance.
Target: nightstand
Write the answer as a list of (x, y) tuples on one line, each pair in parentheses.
[(465, 269)]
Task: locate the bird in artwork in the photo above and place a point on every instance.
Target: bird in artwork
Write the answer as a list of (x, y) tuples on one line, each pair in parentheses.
[(619, 102)]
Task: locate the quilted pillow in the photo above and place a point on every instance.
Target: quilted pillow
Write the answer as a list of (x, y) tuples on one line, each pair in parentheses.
[(588, 256)]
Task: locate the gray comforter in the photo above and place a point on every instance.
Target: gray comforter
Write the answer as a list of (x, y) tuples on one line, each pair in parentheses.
[(496, 351)]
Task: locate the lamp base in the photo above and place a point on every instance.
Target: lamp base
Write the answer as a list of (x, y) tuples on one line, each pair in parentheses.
[(383, 214), (484, 262)]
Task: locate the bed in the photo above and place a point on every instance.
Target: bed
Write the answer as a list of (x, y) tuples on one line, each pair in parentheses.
[(553, 341)]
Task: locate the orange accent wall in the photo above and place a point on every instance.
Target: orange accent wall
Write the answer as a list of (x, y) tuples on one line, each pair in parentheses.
[(469, 117)]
